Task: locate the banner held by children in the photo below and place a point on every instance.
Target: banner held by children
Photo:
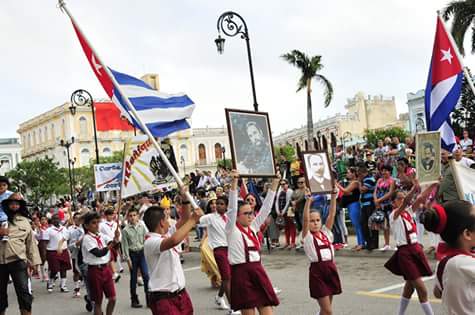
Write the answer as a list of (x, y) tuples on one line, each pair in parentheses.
[(464, 181)]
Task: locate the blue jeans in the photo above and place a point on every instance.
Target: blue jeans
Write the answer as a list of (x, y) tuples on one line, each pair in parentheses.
[(355, 214), (138, 261)]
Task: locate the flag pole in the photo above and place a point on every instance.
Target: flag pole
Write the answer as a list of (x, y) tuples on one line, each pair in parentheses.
[(459, 56), (62, 6)]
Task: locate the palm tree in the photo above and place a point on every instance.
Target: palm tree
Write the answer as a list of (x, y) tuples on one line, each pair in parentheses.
[(309, 68), (463, 14)]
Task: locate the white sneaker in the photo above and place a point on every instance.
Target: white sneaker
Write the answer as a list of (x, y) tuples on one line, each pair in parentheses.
[(221, 303), (385, 248), (231, 312), (140, 281), (277, 290)]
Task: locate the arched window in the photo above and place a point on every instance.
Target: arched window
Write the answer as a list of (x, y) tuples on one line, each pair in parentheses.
[(46, 133), (183, 152), (53, 135), (85, 156), (202, 153), (106, 152), (83, 127), (218, 151), (34, 138), (29, 140)]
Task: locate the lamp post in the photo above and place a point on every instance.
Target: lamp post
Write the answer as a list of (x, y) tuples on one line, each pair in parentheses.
[(73, 161), (232, 27), (223, 150), (346, 135), (182, 161), (84, 98), (67, 144)]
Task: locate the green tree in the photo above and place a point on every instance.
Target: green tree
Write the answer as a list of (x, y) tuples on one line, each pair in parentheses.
[(372, 136), (462, 13), (227, 164), (310, 68), (464, 115), (39, 179), (287, 151)]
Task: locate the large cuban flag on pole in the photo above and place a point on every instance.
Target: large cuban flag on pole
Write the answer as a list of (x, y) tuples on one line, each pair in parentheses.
[(161, 113), (443, 85)]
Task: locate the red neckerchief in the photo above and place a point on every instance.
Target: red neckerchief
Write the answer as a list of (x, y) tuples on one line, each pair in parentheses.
[(110, 224), (250, 234), (454, 252), (98, 239), (224, 217), (44, 227), (407, 216), (58, 230), (321, 237)]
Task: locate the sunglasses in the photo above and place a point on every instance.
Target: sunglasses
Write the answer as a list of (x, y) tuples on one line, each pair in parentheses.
[(248, 213), (300, 182), (283, 183)]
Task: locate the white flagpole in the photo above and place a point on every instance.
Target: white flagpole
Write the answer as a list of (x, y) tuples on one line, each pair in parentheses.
[(62, 6), (459, 56)]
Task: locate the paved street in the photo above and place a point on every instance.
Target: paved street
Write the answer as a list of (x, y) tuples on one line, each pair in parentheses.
[(367, 289)]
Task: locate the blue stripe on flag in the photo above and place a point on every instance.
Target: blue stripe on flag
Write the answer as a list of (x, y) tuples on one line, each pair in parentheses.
[(150, 102), (447, 105), (427, 96), (125, 79), (164, 129)]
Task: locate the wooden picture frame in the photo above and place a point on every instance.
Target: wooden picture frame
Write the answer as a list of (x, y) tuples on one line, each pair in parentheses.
[(313, 183), (428, 165), (250, 138)]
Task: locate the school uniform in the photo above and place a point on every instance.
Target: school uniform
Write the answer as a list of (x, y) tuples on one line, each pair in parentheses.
[(323, 275), (108, 228), (409, 260), (167, 293), (456, 280), (75, 233), (42, 238), (57, 262), (216, 224), (99, 273), (250, 285)]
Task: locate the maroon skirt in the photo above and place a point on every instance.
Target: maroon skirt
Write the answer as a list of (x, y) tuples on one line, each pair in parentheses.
[(57, 263), (323, 279), (42, 244), (251, 287), (221, 257), (410, 262)]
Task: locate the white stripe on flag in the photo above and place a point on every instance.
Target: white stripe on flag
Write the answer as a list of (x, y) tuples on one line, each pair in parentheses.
[(137, 91), (439, 92), (447, 133), (155, 115)]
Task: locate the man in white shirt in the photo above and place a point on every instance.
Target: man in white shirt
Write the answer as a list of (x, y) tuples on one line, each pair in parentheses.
[(459, 158), (167, 279), (466, 141)]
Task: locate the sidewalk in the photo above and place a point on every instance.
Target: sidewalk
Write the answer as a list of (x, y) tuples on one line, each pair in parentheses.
[(346, 252)]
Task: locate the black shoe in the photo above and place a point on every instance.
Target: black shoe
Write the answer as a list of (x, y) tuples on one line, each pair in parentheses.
[(88, 304), (136, 304)]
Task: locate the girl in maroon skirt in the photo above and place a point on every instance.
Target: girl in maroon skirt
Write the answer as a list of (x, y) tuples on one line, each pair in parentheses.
[(409, 260), (324, 281), (250, 285)]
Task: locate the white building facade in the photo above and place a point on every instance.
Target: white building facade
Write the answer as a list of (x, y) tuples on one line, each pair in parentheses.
[(417, 115), (10, 154)]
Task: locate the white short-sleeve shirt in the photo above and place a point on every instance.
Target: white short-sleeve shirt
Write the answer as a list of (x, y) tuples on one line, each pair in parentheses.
[(458, 279), (216, 229), (310, 250), (236, 249), (54, 235), (89, 243), (398, 231), (108, 228), (165, 270)]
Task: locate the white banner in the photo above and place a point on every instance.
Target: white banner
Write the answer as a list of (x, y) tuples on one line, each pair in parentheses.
[(144, 170), (465, 181), (108, 176)]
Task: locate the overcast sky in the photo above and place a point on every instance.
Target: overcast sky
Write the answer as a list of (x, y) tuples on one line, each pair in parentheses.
[(379, 47)]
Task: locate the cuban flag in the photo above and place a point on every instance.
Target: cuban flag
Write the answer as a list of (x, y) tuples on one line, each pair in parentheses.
[(444, 86), (162, 113)]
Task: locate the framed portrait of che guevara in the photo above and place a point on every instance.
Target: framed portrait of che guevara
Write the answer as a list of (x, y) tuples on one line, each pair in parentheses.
[(428, 157), (250, 139), (318, 172)]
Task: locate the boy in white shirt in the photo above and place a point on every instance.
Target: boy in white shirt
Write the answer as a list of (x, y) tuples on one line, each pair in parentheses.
[(167, 279), (57, 253), (95, 250), (108, 227), (75, 232)]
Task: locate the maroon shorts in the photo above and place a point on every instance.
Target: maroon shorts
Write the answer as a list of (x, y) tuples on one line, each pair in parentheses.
[(251, 287), (113, 254), (410, 262), (58, 263), (221, 257), (323, 279), (100, 282), (176, 305)]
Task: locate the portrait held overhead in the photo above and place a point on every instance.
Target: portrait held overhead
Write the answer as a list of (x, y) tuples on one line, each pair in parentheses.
[(251, 143), (318, 172), (428, 157)]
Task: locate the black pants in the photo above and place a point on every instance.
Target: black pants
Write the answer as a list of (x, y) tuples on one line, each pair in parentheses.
[(18, 270), (371, 236)]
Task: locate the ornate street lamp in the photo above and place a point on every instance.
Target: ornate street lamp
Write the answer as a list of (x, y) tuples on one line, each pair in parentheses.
[(84, 98), (223, 150), (67, 144), (182, 161), (232, 27)]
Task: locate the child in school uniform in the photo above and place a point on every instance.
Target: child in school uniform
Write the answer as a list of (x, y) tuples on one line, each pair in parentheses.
[(250, 285), (76, 233), (455, 222), (95, 250), (167, 293), (409, 260), (324, 281), (42, 238), (57, 254), (108, 227)]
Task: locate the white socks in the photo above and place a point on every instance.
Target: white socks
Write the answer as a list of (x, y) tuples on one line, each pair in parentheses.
[(62, 283), (403, 305), (78, 284), (427, 308)]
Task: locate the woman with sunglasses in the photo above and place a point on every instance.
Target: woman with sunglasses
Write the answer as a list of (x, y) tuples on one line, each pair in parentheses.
[(250, 285), (284, 210)]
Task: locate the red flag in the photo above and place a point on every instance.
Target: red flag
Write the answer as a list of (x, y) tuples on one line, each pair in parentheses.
[(108, 117)]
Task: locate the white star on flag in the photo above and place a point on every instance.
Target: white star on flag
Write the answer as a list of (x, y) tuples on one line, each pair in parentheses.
[(446, 55), (97, 66)]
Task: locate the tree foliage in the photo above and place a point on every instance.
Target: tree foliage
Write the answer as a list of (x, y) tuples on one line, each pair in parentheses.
[(372, 136), (227, 164), (39, 179), (462, 13), (464, 115), (287, 151)]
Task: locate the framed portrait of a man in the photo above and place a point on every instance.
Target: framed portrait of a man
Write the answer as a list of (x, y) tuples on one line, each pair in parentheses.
[(251, 143), (318, 172), (428, 157)]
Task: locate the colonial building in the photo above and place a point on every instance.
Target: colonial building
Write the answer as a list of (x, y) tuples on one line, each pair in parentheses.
[(417, 115), (10, 154), (363, 113)]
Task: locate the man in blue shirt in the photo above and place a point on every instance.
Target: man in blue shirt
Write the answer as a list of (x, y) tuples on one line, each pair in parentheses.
[(4, 194), (368, 184)]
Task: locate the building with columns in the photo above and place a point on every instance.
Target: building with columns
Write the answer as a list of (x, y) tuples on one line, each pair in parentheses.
[(416, 108), (10, 154), (363, 113)]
